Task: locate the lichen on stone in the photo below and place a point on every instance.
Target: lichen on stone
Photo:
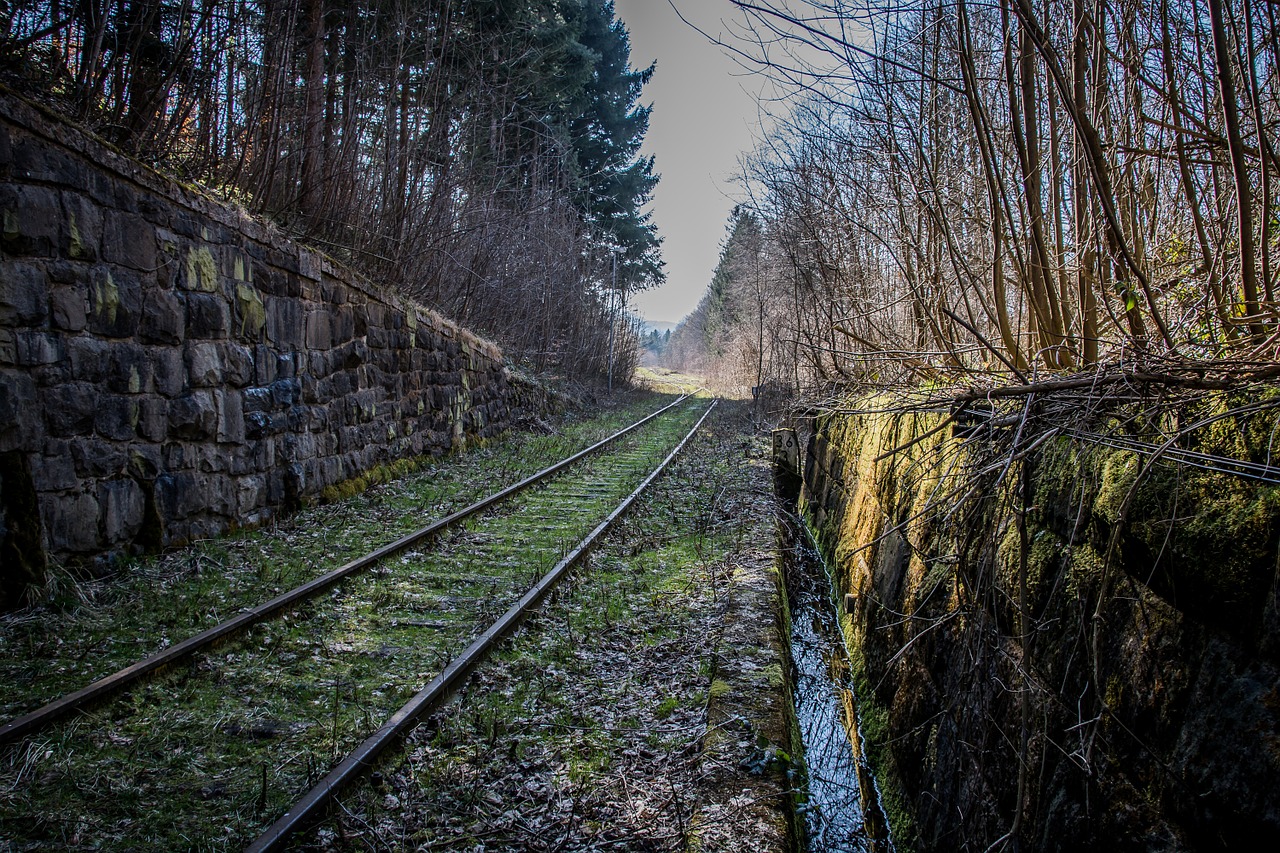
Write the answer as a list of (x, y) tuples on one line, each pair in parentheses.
[(202, 270)]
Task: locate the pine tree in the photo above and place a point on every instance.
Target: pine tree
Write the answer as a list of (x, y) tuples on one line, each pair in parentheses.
[(607, 128)]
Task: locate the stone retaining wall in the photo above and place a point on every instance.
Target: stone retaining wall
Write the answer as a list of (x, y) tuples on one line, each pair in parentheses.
[(171, 368), (1147, 714)]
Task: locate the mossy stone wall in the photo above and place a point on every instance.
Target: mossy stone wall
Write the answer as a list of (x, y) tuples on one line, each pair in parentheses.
[(1138, 687), (171, 368)]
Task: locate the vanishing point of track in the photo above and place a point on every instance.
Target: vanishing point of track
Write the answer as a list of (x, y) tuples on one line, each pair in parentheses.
[(370, 627)]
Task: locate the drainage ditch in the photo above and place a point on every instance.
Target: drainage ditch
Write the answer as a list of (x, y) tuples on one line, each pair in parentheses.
[(839, 806)]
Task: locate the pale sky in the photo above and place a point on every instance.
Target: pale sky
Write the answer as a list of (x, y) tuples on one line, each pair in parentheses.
[(704, 116)]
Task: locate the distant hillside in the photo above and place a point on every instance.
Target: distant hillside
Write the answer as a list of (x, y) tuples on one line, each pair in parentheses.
[(647, 326)]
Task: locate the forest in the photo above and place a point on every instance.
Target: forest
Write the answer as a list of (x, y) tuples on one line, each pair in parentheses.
[(964, 190), (480, 156)]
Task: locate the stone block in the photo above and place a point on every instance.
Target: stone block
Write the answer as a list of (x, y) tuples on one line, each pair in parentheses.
[(170, 259), (89, 358), (239, 368), (35, 348), (116, 417), (163, 318), (145, 462), (207, 458), (222, 495), (177, 495), (377, 338), (239, 460), (265, 365), (193, 416), (329, 471), (354, 354), (186, 224), (310, 265), (300, 418), (318, 363), (344, 324), (84, 227), (24, 293), (250, 313), (294, 481), (173, 457), (285, 322), (130, 369), (95, 458), (287, 365), (31, 220), (50, 164), (208, 315), (199, 271), (257, 400), (18, 400), (231, 427), (122, 505), (69, 308), (319, 330), (129, 241), (305, 446), (54, 471), (286, 392), (104, 190), (69, 409), (333, 290), (257, 425), (71, 522), (153, 418), (169, 370), (204, 364), (251, 494), (115, 302), (68, 272)]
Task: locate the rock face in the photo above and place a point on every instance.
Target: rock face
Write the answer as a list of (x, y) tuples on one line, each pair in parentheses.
[(170, 368), (1015, 680)]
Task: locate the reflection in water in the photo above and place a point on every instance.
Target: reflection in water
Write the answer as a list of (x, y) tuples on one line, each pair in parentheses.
[(843, 812)]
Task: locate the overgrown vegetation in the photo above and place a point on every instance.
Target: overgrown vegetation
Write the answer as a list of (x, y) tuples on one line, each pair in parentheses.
[(965, 190)]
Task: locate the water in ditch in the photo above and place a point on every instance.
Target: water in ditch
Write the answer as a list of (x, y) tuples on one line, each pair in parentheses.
[(842, 810)]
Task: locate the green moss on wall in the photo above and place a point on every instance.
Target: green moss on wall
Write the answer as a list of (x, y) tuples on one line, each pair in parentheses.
[(938, 594), (202, 270), (106, 299), (253, 314)]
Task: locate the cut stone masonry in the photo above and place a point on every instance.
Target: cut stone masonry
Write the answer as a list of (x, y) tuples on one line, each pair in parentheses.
[(171, 368)]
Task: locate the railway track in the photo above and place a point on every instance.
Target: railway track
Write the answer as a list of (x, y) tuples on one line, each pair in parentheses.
[(227, 729)]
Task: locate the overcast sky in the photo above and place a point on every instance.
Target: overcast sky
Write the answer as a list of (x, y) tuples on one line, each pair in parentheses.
[(704, 117)]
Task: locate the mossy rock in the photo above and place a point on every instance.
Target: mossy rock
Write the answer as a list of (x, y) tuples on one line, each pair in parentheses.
[(1205, 543)]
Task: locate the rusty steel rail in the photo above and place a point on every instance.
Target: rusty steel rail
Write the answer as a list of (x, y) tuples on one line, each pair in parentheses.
[(29, 723), (315, 801)]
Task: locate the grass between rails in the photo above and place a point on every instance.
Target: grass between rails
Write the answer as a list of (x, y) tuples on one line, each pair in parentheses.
[(585, 730), (204, 756), (92, 628)]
